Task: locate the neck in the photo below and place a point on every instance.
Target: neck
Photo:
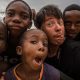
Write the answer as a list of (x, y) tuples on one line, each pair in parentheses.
[(26, 73), (53, 50)]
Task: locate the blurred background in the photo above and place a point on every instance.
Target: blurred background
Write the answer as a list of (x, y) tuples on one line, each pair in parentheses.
[(37, 4)]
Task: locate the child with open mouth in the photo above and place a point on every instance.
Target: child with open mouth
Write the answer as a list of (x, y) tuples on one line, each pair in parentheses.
[(33, 49)]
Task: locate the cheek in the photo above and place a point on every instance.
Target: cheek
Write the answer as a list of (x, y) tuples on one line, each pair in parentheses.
[(49, 34), (63, 30), (78, 29), (46, 52), (7, 19), (27, 55), (26, 23), (28, 50), (8, 22), (49, 31)]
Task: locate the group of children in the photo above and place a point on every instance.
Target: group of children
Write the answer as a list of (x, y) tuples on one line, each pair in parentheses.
[(31, 54), (31, 46)]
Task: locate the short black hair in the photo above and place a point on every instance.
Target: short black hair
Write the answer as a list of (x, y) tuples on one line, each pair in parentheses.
[(71, 7), (29, 9), (48, 10)]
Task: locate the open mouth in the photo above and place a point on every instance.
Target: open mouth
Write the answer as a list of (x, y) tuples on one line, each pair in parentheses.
[(38, 61)]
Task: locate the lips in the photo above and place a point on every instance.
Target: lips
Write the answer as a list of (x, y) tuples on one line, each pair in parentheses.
[(58, 36), (15, 28)]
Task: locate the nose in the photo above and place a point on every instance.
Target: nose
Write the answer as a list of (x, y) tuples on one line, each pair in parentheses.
[(58, 27), (41, 47), (16, 19), (72, 26)]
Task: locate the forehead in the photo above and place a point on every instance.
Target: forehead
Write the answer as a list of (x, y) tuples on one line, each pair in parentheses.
[(35, 33), (47, 18), (72, 13), (18, 5)]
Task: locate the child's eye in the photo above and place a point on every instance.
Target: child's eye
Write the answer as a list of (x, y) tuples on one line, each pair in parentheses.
[(60, 23), (10, 14), (67, 23), (45, 43), (50, 24), (78, 24), (25, 16), (33, 42)]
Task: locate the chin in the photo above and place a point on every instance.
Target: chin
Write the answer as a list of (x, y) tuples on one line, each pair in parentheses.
[(36, 68), (58, 43)]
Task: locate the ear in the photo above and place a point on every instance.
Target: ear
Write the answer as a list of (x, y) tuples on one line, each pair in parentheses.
[(30, 24), (19, 50)]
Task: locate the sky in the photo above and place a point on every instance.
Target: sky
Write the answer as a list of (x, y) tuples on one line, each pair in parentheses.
[(38, 4)]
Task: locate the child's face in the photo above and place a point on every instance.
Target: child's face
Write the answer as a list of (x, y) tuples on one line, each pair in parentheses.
[(54, 28), (34, 49), (17, 18), (72, 23), (2, 39)]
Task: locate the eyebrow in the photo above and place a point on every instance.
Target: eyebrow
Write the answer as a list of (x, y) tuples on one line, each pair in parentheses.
[(33, 35)]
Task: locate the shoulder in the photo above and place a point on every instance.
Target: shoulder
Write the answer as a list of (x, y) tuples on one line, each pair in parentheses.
[(51, 72), (51, 68), (9, 75)]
